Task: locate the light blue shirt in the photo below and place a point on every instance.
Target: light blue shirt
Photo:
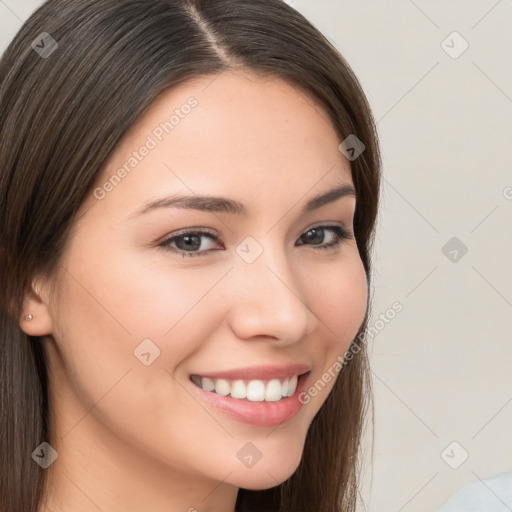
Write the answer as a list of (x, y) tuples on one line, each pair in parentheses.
[(491, 495)]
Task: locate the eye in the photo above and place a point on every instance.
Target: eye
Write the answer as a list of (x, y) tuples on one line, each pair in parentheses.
[(317, 235), (189, 243)]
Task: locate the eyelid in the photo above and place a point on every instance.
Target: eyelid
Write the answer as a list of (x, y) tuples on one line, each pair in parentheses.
[(202, 230), (186, 231)]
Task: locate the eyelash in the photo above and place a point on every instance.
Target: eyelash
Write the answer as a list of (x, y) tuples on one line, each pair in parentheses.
[(341, 233)]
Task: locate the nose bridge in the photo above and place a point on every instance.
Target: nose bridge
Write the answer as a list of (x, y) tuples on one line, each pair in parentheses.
[(270, 301)]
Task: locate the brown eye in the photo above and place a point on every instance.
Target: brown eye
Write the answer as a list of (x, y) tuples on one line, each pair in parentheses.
[(188, 243), (316, 236)]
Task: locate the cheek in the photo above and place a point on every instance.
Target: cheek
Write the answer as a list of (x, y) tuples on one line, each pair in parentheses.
[(134, 297), (174, 307), (338, 297), (97, 328)]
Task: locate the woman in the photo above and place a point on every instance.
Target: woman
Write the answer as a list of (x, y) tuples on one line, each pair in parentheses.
[(139, 370)]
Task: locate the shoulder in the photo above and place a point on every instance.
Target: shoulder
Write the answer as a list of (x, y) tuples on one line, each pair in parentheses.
[(491, 495)]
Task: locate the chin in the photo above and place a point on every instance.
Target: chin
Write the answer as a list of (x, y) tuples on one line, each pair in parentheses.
[(264, 476)]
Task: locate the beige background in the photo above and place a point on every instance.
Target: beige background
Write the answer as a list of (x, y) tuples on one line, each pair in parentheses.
[(442, 365)]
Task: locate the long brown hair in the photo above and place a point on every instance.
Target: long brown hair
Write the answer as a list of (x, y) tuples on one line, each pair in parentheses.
[(61, 115)]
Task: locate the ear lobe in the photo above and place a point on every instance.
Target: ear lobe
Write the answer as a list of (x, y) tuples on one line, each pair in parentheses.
[(35, 319)]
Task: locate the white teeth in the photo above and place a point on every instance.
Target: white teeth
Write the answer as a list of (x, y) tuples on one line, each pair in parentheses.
[(207, 384), (238, 389), (254, 391), (273, 391), (284, 390), (222, 387), (292, 385)]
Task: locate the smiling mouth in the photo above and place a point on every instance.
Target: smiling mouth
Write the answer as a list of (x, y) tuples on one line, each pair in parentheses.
[(254, 390)]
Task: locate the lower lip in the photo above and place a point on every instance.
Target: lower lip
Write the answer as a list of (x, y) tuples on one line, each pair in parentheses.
[(261, 414)]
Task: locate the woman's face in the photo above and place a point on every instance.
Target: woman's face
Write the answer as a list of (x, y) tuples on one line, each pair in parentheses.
[(136, 310)]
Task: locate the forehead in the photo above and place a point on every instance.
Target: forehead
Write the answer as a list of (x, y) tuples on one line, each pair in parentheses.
[(237, 133)]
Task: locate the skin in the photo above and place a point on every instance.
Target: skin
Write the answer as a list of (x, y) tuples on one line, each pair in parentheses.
[(131, 437)]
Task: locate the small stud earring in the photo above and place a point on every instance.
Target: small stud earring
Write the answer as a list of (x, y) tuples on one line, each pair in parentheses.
[(29, 317)]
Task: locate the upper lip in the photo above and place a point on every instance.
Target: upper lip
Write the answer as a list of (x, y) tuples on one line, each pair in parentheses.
[(259, 372)]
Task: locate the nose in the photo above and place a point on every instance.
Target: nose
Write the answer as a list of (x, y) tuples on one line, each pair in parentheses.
[(268, 302)]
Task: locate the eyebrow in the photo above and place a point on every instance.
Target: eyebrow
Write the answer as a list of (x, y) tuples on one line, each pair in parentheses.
[(225, 205)]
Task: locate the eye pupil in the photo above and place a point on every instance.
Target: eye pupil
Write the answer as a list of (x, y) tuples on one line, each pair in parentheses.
[(188, 244), (317, 236)]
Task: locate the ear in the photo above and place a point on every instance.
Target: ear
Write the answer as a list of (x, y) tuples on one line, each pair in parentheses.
[(35, 303)]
